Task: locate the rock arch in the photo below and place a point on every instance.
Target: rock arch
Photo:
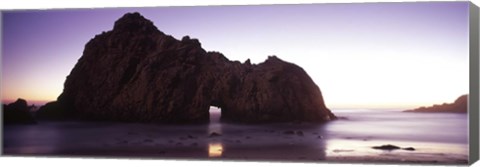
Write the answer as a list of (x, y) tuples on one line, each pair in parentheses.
[(137, 73)]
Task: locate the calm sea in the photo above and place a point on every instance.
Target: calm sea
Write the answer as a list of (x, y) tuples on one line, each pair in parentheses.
[(433, 135)]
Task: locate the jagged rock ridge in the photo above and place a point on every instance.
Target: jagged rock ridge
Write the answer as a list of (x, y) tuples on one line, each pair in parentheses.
[(137, 73), (17, 112), (459, 106)]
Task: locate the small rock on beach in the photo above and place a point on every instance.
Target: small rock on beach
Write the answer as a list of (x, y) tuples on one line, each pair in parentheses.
[(289, 132), (386, 147), (214, 134)]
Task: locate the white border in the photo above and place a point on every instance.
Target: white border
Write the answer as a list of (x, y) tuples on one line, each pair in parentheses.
[(51, 4)]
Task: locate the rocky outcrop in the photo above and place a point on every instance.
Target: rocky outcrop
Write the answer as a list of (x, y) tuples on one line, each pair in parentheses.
[(459, 106), (17, 112), (137, 73), (53, 111), (390, 147)]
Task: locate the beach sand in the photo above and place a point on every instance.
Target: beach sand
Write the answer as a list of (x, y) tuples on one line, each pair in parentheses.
[(287, 142)]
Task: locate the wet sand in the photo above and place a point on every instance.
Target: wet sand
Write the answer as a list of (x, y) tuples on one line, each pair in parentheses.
[(271, 142)]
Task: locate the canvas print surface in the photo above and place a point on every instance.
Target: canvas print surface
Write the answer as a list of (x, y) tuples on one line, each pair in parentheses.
[(370, 82)]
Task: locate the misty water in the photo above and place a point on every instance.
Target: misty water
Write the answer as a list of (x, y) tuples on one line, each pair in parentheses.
[(436, 137)]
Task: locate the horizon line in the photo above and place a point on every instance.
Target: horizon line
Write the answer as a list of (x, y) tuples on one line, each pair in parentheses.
[(334, 107)]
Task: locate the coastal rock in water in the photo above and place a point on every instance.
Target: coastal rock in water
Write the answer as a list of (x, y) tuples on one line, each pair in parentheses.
[(289, 132), (390, 147), (386, 147), (136, 73), (17, 112), (459, 106), (214, 134)]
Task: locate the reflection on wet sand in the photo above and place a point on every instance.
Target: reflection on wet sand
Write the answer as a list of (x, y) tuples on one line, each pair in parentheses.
[(265, 142), (424, 151), (215, 149)]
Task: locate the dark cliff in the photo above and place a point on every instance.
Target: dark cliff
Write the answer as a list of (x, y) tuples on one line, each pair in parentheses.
[(459, 106), (137, 73), (17, 112)]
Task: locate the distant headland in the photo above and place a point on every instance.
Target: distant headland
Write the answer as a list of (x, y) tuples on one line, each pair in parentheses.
[(459, 106)]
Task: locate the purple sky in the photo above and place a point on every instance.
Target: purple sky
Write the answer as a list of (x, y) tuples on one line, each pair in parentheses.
[(370, 55)]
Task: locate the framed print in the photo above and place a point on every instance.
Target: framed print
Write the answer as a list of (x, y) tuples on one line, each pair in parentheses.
[(389, 83)]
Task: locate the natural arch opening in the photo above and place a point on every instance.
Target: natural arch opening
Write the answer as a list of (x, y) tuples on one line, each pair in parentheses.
[(215, 125), (215, 114)]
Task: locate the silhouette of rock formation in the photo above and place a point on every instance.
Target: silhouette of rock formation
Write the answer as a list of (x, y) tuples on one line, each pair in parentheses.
[(17, 113), (459, 106), (53, 111), (137, 73)]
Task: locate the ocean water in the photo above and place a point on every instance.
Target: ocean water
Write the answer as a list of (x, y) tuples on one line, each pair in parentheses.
[(436, 137), (395, 125)]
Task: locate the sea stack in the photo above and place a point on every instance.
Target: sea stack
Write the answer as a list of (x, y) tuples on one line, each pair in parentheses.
[(136, 73), (17, 112)]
